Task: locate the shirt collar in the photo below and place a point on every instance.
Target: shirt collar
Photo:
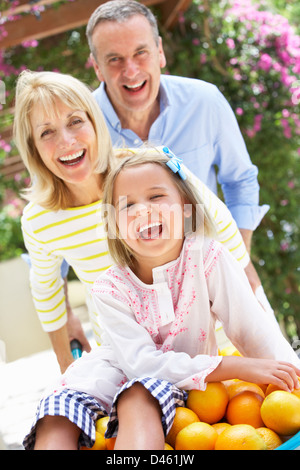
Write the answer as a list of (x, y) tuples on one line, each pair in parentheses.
[(112, 116), (108, 108)]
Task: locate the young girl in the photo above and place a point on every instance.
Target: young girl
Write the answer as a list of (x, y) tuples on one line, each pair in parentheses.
[(158, 307)]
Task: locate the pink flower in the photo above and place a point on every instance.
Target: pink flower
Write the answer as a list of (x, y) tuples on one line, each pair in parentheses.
[(181, 18), (239, 111), (257, 122), (237, 76), (230, 43), (88, 63), (284, 202), (265, 62), (203, 58), (5, 146), (17, 177), (284, 246), (250, 133), (33, 43), (287, 132)]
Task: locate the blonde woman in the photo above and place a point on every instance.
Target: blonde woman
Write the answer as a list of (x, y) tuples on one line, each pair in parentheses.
[(64, 143), (158, 306)]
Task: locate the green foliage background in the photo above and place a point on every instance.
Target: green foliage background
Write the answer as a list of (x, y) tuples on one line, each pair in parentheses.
[(226, 49)]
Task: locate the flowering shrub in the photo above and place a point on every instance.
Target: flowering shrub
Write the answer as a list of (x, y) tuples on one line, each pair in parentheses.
[(11, 240), (252, 54)]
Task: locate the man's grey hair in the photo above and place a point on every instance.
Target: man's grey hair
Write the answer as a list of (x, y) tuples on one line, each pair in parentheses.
[(119, 11)]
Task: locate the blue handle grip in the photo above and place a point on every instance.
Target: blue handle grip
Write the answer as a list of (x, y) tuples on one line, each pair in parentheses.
[(292, 444), (76, 348)]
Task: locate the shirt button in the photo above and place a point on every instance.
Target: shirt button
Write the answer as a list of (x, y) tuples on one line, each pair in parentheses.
[(137, 141)]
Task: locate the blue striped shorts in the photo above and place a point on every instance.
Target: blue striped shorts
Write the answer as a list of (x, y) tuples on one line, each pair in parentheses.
[(84, 410)]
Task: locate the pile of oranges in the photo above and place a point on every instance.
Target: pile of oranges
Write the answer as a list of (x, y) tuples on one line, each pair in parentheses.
[(229, 415), (235, 415)]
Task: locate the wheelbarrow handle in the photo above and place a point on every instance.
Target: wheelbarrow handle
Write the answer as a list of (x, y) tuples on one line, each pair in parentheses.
[(292, 444), (76, 348)]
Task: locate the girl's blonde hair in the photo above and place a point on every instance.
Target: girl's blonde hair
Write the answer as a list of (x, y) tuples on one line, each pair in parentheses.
[(42, 89), (200, 218)]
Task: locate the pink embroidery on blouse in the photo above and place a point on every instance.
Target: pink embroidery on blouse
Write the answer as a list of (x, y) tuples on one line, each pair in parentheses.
[(211, 257), (198, 381), (203, 335)]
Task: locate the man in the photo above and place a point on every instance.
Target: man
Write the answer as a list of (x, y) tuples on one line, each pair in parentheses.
[(190, 116)]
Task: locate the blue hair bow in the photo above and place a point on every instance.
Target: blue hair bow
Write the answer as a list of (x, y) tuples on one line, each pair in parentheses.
[(174, 163)]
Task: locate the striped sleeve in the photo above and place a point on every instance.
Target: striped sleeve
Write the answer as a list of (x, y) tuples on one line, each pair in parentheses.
[(46, 283), (227, 229)]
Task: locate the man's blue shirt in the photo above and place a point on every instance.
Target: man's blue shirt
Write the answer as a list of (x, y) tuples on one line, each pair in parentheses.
[(198, 125)]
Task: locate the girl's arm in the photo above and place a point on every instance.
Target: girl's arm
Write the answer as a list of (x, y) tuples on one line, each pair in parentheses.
[(253, 331), (263, 371), (138, 356)]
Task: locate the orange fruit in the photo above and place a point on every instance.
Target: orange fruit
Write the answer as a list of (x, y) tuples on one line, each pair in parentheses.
[(99, 444), (110, 443), (210, 404), (244, 408), (183, 417), (236, 387), (196, 436), (280, 412), (263, 387), (220, 427), (168, 447), (229, 351), (101, 425), (270, 437), (273, 388), (240, 437), (296, 392)]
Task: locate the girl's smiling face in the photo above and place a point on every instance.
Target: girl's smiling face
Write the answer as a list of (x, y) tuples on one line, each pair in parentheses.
[(149, 212)]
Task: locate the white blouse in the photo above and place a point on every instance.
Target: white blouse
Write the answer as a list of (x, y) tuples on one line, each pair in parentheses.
[(167, 329)]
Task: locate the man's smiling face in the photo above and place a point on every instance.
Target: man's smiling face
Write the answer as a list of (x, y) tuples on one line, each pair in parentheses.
[(129, 61)]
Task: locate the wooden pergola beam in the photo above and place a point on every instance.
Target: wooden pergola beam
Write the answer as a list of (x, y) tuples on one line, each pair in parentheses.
[(171, 11), (52, 21), (69, 16), (25, 7)]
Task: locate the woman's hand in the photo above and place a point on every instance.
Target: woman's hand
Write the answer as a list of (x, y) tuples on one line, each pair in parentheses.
[(75, 331), (61, 346), (62, 337)]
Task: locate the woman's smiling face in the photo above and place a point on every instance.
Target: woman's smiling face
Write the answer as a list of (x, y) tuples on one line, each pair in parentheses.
[(66, 142), (149, 211)]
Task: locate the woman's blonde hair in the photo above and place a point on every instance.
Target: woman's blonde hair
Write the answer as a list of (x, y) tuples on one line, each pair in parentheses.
[(42, 89), (200, 220)]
